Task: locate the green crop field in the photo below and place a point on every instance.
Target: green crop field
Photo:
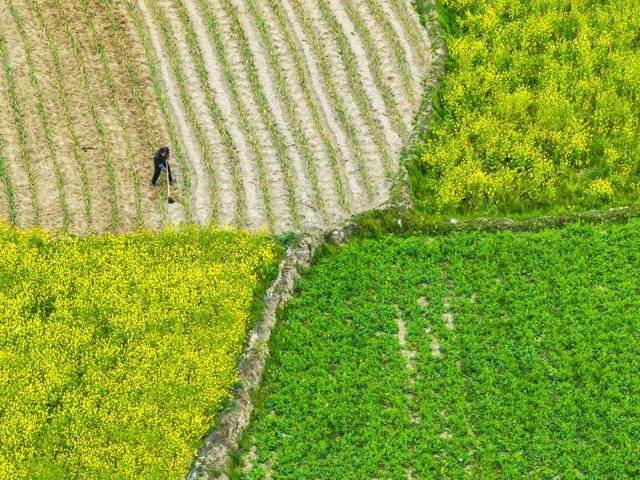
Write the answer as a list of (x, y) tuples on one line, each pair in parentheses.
[(539, 108), (472, 356)]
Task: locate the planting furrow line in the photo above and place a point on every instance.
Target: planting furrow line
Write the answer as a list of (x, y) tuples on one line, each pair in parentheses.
[(242, 102), (42, 113), (241, 68), (221, 113), (403, 53), (343, 159), (258, 71), (419, 39), (137, 90), (295, 19), (8, 185), (191, 97), (96, 116), (204, 162), (219, 78), (361, 81), (164, 43), (297, 112), (168, 104), (99, 49), (268, 39), (18, 121), (383, 72), (78, 155)]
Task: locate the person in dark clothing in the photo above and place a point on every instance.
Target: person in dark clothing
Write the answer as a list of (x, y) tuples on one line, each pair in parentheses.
[(160, 165)]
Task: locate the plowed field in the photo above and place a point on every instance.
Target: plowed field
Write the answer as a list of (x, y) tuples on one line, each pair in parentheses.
[(286, 114)]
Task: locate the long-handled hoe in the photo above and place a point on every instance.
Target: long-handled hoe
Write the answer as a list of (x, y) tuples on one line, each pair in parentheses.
[(169, 197)]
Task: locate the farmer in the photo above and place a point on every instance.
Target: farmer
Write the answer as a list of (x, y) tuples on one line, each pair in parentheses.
[(160, 165)]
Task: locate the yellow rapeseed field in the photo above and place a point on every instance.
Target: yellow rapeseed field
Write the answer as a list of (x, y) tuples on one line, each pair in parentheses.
[(117, 352)]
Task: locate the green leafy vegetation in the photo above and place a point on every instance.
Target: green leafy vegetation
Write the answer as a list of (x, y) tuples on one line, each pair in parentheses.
[(538, 109), (478, 355)]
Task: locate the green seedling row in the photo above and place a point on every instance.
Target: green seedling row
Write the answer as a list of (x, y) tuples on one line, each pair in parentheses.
[(356, 86), (302, 77), (78, 155), (18, 120), (262, 103), (327, 77), (378, 76), (300, 135), (392, 37), (113, 98), (216, 114), (42, 113), (95, 115), (8, 186), (134, 13), (201, 138), (137, 90)]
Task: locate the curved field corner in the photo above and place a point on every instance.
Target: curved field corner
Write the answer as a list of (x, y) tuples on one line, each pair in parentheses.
[(286, 115), (539, 109), (477, 355)]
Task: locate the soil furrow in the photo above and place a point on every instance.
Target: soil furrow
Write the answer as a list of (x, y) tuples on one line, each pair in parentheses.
[(46, 190), (380, 110), (96, 90), (128, 129), (388, 66), (412, 58), (218, 155), (80, 127), (419, 37), (233, 114), (135, 90), (12, 162), (317, 178), (171, 89), (43, 91), (373, 165), (275, 164), (286, 38)]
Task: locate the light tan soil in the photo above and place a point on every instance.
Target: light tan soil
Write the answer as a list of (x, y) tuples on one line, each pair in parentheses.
[(147, 136)]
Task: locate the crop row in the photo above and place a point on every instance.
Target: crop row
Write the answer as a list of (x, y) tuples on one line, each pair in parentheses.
[(18, 120), (113, 98), (42, 113), (303, 83), (214, 109), (136, 88), (185, 183), (64, 101), (331, 90)]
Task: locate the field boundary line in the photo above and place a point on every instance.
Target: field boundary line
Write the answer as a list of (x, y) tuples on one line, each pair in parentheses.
[(214, 455)]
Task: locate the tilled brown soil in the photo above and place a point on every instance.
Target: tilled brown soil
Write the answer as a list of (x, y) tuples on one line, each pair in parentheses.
[(296, 131)]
